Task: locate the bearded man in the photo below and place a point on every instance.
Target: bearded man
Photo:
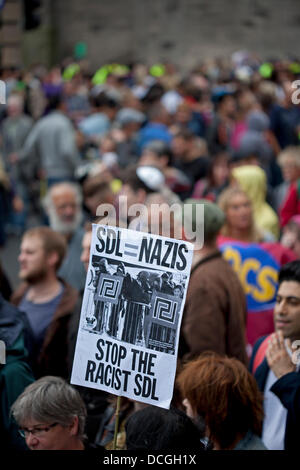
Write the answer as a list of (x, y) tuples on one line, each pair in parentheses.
[(63, 205), (47, 300)]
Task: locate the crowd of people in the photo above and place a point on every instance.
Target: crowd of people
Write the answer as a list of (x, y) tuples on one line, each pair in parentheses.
[(224, 135)]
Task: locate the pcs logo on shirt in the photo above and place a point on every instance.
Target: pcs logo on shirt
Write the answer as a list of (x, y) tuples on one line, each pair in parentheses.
[(257, 271)]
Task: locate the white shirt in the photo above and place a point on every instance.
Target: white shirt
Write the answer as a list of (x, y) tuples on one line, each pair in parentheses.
[(274, 424), (275, 417)]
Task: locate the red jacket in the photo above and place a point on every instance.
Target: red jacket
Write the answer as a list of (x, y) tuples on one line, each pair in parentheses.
[(290, 205)]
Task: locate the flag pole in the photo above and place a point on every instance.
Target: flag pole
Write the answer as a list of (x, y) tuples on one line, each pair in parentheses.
[(117, 414)]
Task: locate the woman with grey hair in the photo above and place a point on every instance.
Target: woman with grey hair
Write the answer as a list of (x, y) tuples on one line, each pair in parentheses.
[(51, 415)]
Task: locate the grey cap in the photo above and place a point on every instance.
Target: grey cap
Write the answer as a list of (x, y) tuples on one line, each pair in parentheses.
[(214, 217), (129, 115), (258, 121), (254, 143)]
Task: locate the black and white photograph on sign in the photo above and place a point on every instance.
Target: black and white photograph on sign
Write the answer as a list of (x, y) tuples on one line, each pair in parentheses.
[(131, 314), (133, 305)]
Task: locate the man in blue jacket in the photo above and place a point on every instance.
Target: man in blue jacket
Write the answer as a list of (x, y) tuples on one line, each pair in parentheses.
[(275, 364)]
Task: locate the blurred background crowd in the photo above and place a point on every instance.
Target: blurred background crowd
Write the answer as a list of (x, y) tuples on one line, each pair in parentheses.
[(197, 127)]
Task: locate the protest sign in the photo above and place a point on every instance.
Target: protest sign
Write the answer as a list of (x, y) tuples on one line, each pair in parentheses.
[(131, 314)]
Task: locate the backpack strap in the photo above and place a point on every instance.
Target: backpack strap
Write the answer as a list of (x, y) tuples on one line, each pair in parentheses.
[(260, 353)]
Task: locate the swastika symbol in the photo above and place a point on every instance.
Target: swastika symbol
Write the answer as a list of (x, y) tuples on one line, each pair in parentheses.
[(164, 309), (108, 288)]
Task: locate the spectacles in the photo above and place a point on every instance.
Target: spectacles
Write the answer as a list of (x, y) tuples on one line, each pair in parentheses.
[(37, 432)]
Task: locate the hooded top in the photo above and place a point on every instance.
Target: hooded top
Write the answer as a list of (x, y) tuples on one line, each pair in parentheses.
[(252, 179)]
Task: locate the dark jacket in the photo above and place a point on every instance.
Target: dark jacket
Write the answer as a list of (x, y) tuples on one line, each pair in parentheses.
[(214, 317), (5, 287), (53, 357), (287, 389), (15, 374)]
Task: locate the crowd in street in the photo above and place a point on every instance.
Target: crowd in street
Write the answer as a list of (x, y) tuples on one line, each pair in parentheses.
[(225, 134)]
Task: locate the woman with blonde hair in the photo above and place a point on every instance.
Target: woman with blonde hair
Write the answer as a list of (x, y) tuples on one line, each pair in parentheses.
[(253, 180), (239, 222), (242, 242)]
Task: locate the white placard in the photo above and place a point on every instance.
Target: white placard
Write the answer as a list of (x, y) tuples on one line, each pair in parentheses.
[(131, 314)]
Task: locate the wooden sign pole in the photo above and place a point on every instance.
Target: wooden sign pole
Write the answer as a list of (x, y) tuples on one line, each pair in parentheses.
[(117, 414)]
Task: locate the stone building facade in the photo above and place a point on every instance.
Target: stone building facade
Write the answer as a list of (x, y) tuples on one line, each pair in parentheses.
[(181, 31)]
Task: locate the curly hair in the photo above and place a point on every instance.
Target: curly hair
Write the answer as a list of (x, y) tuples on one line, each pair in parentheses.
[(223, 392)]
